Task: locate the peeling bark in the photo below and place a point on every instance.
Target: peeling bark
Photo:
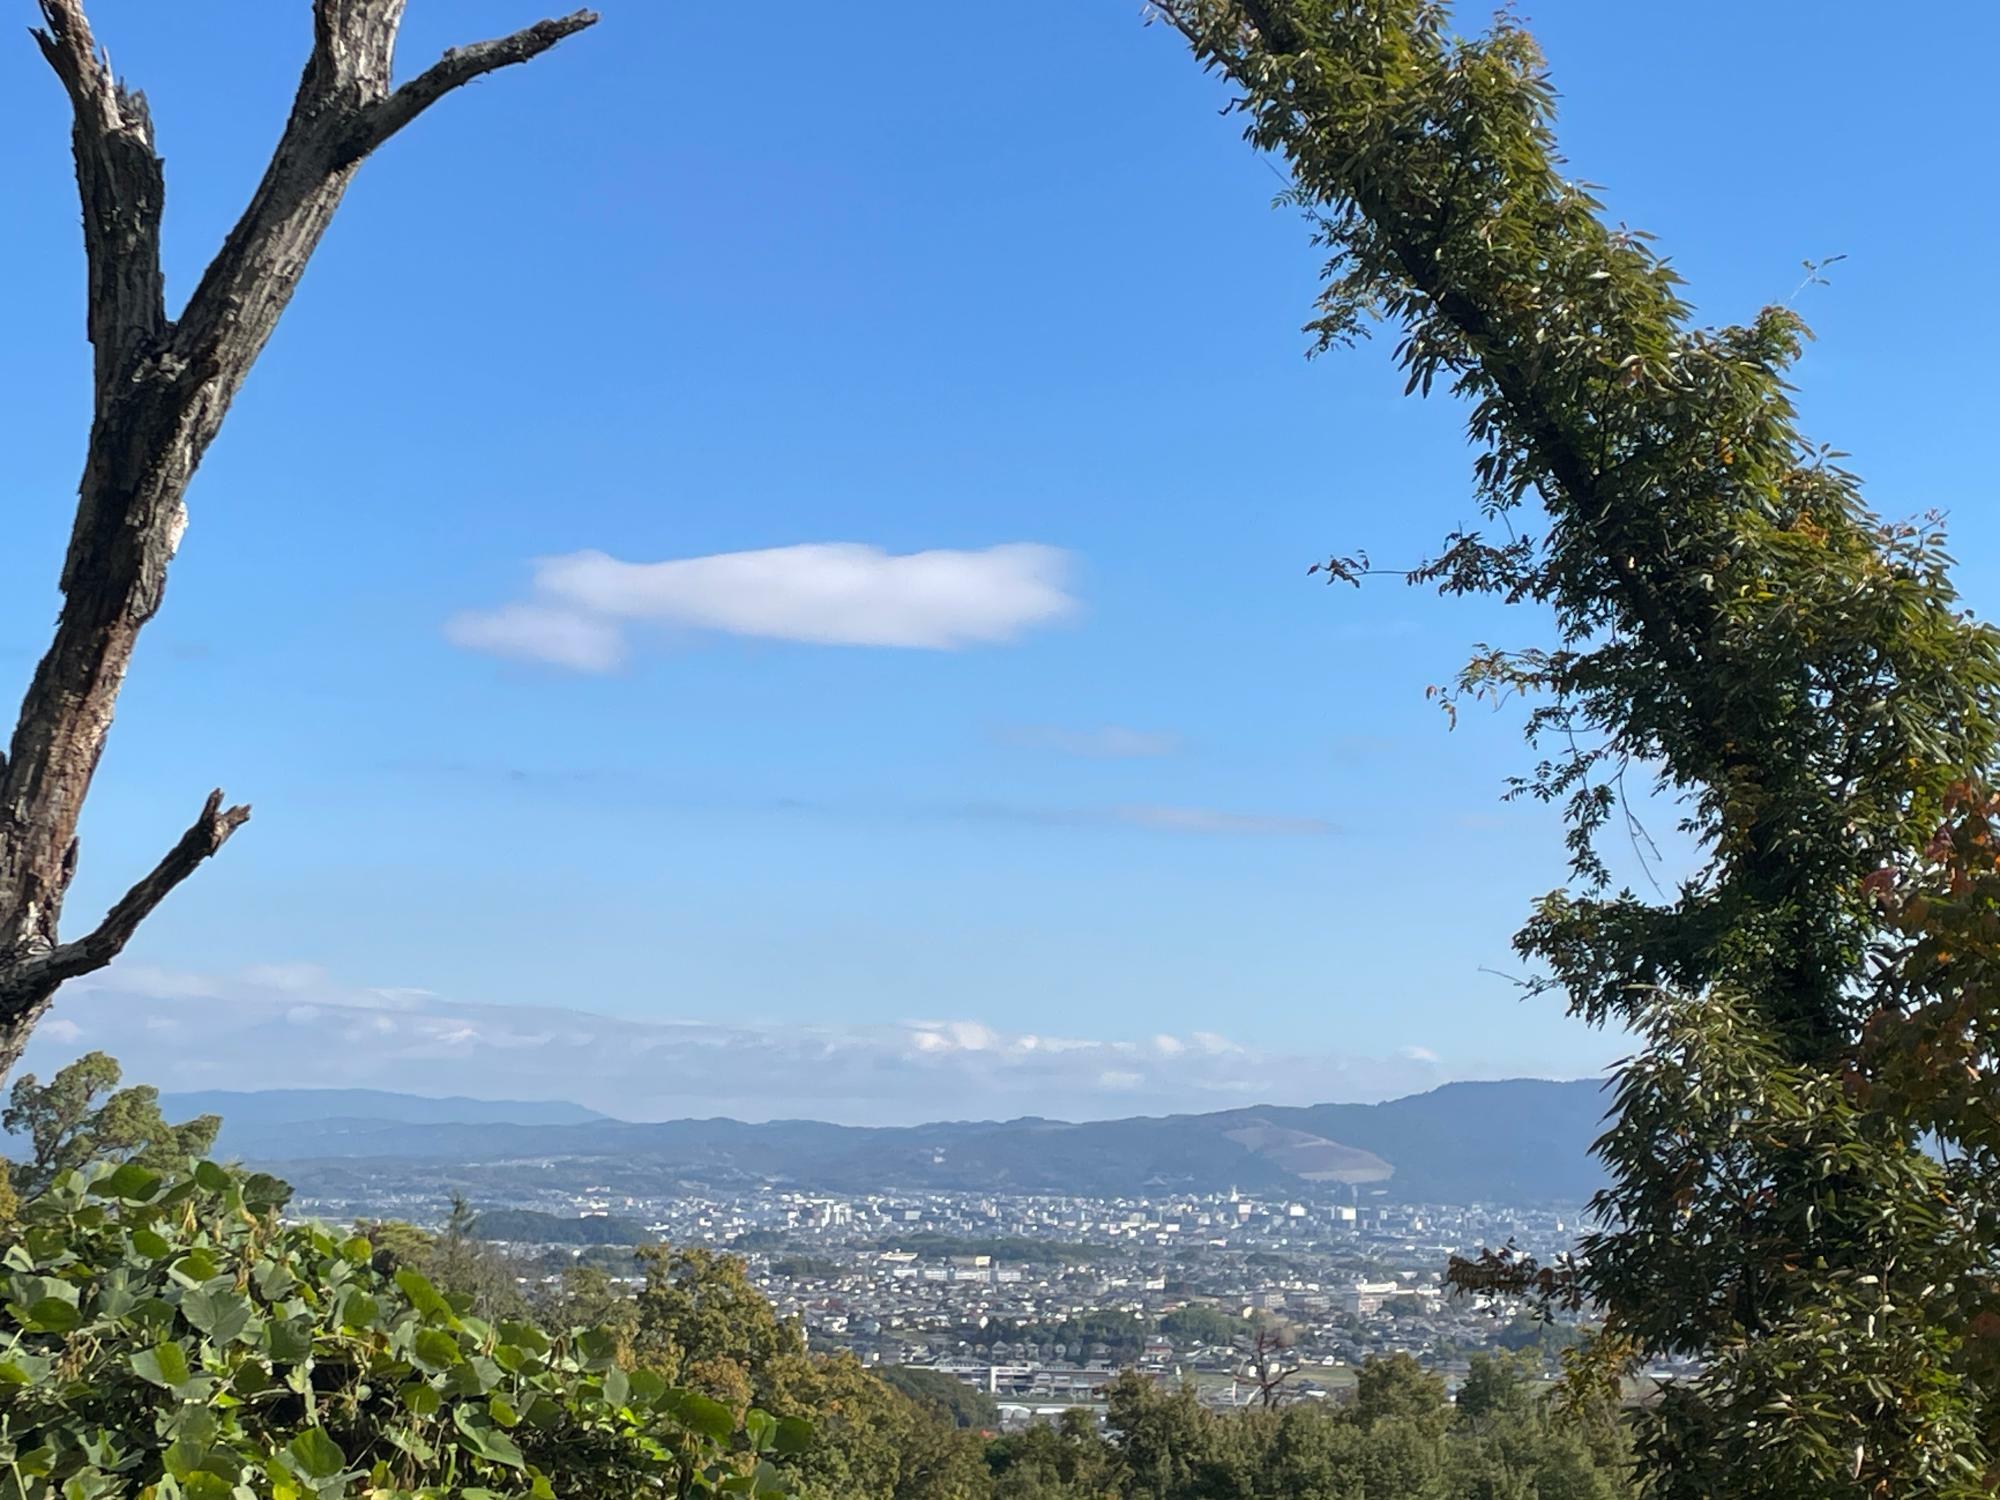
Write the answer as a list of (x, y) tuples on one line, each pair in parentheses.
[(161, 389)]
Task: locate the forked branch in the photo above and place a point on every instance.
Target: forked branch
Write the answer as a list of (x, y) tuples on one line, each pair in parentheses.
[(162, 389), (458, 67), (94, 950)]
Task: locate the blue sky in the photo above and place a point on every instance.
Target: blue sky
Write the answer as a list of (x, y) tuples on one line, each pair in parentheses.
[(940, 280)]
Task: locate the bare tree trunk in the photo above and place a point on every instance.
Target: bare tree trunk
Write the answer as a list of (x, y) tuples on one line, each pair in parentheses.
[(162, 388)]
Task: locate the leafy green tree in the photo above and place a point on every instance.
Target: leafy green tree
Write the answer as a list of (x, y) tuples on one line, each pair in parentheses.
[(868, 1439), (81, 1115), (462, 1263), (586, 1297), (698, 1316), (1495, 1386), (1399, 1389), (172, 1336), (944, 1395), (1067, 1460), (1814, 1005), (1198, 1323)]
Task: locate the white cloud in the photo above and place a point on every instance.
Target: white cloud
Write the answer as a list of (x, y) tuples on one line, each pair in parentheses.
[(1108, 742), (823, 593), (1417, 1054), (297, 1027), (537, 632)]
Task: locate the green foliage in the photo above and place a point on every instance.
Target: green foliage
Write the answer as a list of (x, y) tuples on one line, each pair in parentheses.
[(462, 1263), (1738, 633), (943, 1395), (67, 1124), (1198, 1323), (170, 1336), (698, 1317)]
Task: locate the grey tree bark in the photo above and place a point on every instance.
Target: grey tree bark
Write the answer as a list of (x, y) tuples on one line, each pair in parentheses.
[(162, 387)]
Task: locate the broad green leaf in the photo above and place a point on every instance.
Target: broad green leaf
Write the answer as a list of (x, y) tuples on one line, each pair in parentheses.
[(435, 1349), (52, 1315), (477, 1433), (288, 1341), (210, 1177), (151, 1244), (424, 1297), (700, 1414), (316, 1455), (164, 1364), (222, 1315), (131, 1182)]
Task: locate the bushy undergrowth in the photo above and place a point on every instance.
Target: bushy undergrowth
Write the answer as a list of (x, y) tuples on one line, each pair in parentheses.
[(170, 1335)]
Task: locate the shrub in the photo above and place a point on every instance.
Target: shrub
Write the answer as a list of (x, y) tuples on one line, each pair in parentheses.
[(172, 1336)]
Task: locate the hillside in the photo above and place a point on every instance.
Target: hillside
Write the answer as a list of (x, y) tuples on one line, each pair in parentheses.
[(1525, 1140)]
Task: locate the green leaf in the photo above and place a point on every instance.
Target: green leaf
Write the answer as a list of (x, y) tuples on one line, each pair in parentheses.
[(210, 1178), (197, 1266), (616, 1387), (422, 1399), (700, 1414), (263, 1191), (356, 1250), (794, 1436), (164, 1365), (316, 1455), (288, 1341), (478, 1434), (151, 1244), (222, 1315), (596, 1349), (424, 1297), (52, 1315), (435, 1349), (358, 1309), (131, 1182)]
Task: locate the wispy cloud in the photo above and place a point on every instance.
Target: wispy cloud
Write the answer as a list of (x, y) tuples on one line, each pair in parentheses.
[(1215, 821), (297, 1026), (583, 604), (1108, 742), (1155, 818)]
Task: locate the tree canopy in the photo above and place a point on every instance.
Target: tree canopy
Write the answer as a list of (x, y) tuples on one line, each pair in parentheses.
[(1738, 634)]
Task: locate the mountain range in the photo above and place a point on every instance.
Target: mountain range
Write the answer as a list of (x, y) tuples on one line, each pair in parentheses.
[(1517, 1141)]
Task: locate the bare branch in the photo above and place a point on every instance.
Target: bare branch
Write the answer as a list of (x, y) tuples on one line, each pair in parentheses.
[(120, 181), (458, 67), (162, 391), (94, 950)]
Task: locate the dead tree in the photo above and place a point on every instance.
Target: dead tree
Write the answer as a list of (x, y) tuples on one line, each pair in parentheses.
[(162, 387), (1265, 1354)]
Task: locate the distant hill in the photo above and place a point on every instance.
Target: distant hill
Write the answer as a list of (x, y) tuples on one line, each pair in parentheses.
[(315, 1122), (1523, 1141)]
